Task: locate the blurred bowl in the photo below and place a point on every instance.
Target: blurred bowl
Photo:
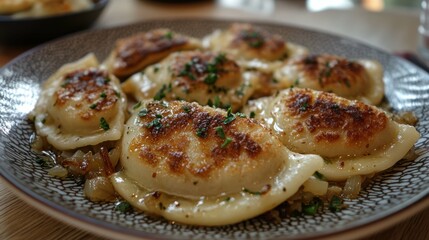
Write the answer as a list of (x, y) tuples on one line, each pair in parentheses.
[(37, 29)]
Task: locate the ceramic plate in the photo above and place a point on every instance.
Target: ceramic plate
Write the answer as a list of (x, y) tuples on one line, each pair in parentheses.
[(37, 29), (396, 191)]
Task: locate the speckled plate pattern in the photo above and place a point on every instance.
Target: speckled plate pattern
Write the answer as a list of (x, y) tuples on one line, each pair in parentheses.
[(396, 190)]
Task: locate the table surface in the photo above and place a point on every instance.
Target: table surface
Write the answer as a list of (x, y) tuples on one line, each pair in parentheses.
[(392, 30)]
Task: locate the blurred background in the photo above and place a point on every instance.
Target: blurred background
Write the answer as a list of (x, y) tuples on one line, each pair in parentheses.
[(390, 25)]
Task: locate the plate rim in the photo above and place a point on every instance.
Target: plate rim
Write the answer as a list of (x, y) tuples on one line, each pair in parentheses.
[(87, 223), (5, 19)]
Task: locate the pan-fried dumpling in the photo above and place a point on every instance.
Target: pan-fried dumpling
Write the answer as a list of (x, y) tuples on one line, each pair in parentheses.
[(247, 42), (358, 80), (80, 105), (200, 76), (352, 137), (134, 53), (203, 166)]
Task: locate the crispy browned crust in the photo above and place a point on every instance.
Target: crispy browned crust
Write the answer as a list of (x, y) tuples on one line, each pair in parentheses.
[(136, 52), (191, 70), (257, 41), (324, 115), (98, 94), (180, 117), (331, 70)]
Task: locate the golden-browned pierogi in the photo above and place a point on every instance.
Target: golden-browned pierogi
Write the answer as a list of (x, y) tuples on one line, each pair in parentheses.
[(80, 105), (200, 76), (205, 166), (134, 53), (245, 41), (361, 79), (352, 137)]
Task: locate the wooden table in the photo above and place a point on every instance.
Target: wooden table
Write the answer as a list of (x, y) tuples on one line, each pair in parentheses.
[(394, 30)]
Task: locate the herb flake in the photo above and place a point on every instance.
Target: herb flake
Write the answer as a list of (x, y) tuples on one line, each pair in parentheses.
[(123, 207), (169, 35), (143, 112), (162, 92), (226, 142), (104, 124), (137, 105), (251, 192), (336, 204), (93, 106), (312, 207), (220, 132), (202, 132), (319, 176), (186, 108), (252, 114), (229, 117), (155, 123)]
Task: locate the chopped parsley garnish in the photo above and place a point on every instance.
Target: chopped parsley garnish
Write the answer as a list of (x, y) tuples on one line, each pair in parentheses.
[(240, 91), (169, 35), (242, 115), (220, 132), (252, 114), (186, 72), (117, 94), (186, 108), (256, 44), (123, 207), (296, 83), (41, 162), (137, 105), (155, 123), (229, 117), (103, 124), (210, 79), (226, 142), (303, 106), (318, 175), (93, 106), (210, 103), (335, 107), (220, 58), (336, 204), (252, 38), (103, 95), (227, 199), (274, 80), (143, 112), (251, 192), (328, 70), (217, 103), (312, 207), (164, 104), (155, 69), (106, 80), (162, 92), (202, 132)]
